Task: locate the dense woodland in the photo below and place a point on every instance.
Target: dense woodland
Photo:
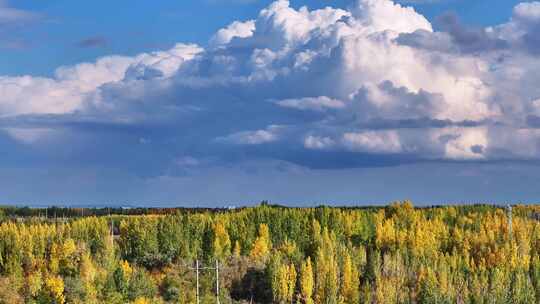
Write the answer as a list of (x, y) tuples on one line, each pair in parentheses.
[(272, 254)]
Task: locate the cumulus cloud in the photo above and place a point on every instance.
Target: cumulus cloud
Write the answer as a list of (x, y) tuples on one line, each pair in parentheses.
[(386, 101), (235, 29), (320, 88), (373, 142), (312, 103), (75, 88), (318, 143), (390, 16), (253, 137)]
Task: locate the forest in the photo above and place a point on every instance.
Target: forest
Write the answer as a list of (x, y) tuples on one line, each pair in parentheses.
[(272, 254)]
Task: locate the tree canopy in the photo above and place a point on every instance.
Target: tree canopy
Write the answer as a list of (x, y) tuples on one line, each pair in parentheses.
[(273, 254)]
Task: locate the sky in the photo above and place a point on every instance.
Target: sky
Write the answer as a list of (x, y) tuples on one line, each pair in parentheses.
[(216, 103)]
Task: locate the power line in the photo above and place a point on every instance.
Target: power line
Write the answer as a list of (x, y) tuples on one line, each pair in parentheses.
[(197, 269)]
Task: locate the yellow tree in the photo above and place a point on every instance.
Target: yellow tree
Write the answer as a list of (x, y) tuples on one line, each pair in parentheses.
[(222, 242), (67, 257), (307, 282), (141, 301), (262, 244), (350, 281), (327, 280), (34, 283), (291, 282), (54, 258), (88, 273), (321, 270), (286, 281), (55, 289)]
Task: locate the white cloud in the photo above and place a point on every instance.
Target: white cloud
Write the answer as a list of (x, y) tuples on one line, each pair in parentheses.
[(528, 11), (74, 86), (279, 25), (375, 79), (235, 29), (390, 16), (373, 142), (318, 143), (257, 137), (166, 63), (312, 103), (463, 143)]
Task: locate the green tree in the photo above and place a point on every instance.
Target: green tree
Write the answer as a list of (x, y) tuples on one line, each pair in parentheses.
[(141, 285)]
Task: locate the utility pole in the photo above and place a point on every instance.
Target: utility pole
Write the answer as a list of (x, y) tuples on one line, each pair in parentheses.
[(217, 282), (197, 270)]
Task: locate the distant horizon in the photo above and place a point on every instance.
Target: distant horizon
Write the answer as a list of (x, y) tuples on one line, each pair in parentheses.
[(249, 205)]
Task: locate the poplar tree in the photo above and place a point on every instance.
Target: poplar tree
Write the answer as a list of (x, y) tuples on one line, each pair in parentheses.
[(350, 281), (306, 281), (222, 243), (262, 244)]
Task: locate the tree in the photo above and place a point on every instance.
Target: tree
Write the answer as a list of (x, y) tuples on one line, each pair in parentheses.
[(53, 291), (10, 250), (139, 242), (438, 255), (327, 280), (68, 258), (141, 285), (122, 278), (88, 273), (429, 291), (171, 288), (74, 291), (141, 300), (222, 243), (284, 283), (291, 282), (34, 283), (307, 282), (168, 235), (350, 281), (262, 244)]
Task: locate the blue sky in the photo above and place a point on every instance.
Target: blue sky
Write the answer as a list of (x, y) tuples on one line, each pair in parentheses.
[(227, 102), (131, 27)]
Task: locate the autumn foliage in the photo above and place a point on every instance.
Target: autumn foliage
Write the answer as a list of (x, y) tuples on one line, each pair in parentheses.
[(272, 254)]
